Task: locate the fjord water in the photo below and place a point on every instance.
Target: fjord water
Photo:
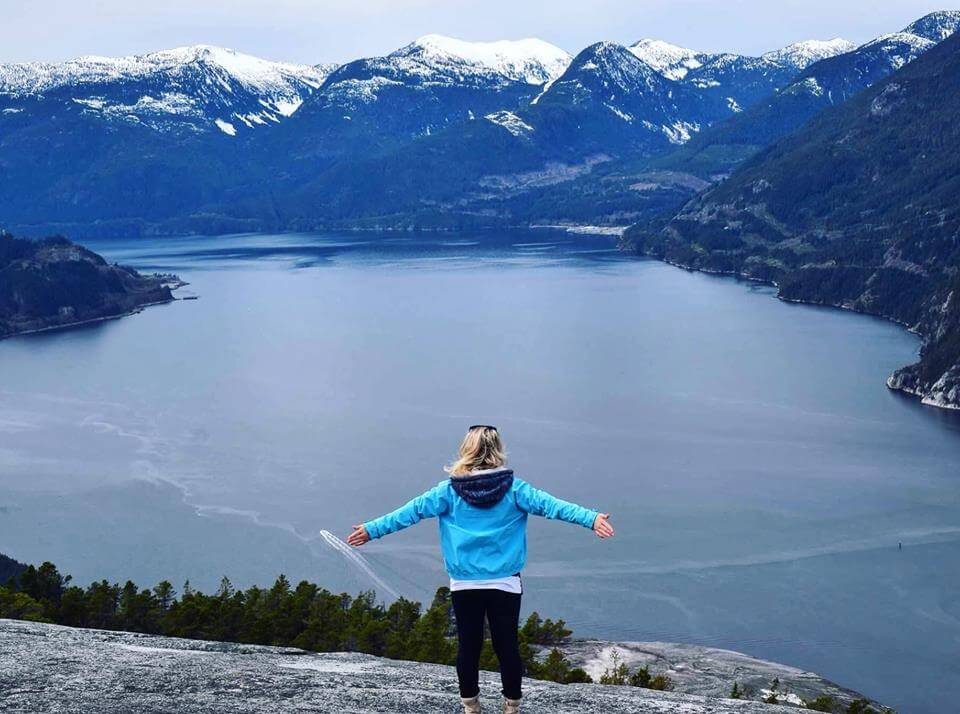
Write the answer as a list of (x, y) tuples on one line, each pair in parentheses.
[(758, 472)]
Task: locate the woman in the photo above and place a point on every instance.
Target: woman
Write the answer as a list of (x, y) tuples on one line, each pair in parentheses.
[(483, 511)]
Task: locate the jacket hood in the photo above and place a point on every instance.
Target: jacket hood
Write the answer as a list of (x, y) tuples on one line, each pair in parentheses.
[(483, 489)]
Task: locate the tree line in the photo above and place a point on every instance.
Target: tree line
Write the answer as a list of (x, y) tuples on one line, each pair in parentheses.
[(305, 616)]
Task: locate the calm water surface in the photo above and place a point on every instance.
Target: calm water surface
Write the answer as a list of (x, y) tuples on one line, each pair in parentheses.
[(758, 472)]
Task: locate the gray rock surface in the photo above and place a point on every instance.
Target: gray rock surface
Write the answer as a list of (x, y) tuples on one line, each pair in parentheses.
[(707, 671), (48, 668)]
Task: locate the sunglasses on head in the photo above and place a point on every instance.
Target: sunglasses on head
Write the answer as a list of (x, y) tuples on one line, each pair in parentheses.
[(483, 426)]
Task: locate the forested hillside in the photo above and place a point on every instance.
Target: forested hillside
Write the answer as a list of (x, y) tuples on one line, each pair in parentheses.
[(53, 282)]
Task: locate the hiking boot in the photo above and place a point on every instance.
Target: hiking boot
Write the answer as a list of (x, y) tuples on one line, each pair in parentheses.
[(471, 705), (511, 706)]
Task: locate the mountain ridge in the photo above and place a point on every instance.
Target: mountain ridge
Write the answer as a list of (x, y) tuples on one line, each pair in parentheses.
[(439, 133)]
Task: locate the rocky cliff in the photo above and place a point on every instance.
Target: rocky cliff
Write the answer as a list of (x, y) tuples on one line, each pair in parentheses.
[(49, 668), (710, 672)]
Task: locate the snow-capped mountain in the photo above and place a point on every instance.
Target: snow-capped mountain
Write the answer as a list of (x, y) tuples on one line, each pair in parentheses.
[(676, 62), (435, 61), (825, 83), (422, 88), (836, 79), (730, 80), (200, 88), (606, 72), (737, 81), (529, 60), (801, 55), (607, 83)]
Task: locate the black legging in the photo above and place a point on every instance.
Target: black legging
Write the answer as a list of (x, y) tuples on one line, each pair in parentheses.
[(502, 610)]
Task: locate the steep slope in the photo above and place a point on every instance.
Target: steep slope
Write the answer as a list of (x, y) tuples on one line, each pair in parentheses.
[(52, 283), (47, 668), (858, 209), (828, 82)]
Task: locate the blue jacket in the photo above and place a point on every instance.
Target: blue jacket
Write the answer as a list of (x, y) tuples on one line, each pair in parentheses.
[(483, 521)]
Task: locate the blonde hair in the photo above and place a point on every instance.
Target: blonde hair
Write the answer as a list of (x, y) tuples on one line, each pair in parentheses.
[(480, 449)]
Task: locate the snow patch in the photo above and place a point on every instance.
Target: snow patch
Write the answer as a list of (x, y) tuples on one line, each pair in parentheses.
[(510, 121), (812, 86), (92, 102), (680, 131), (288, 106), (623, 115), (226, 127)]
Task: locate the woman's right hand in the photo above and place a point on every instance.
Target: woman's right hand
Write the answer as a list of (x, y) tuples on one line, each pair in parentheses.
[(359, 536), (602, 527)]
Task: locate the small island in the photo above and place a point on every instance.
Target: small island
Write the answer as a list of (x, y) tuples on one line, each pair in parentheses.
[(54, 283)]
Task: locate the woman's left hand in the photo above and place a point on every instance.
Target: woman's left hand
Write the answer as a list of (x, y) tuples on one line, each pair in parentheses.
[(359, 536), (602, 527)]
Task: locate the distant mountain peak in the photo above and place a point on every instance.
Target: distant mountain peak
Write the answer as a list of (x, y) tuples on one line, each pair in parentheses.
[(681, 63), (911, 40), (803, 54), (616, 64), (672, 61), (255, 73), (528, 60), (935, 26), (192, 88)]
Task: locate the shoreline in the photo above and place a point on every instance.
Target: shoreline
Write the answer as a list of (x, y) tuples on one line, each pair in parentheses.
[(93, 320), (889, 382)]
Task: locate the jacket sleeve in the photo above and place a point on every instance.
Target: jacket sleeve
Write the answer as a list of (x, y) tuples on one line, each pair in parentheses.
[(427, 505), (541, 503)]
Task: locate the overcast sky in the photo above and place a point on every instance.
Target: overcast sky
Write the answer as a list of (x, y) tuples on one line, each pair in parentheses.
[(315, 31)]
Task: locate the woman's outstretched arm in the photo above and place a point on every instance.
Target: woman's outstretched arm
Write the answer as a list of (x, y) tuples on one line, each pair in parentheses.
[(540, 503), (427, 505)]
